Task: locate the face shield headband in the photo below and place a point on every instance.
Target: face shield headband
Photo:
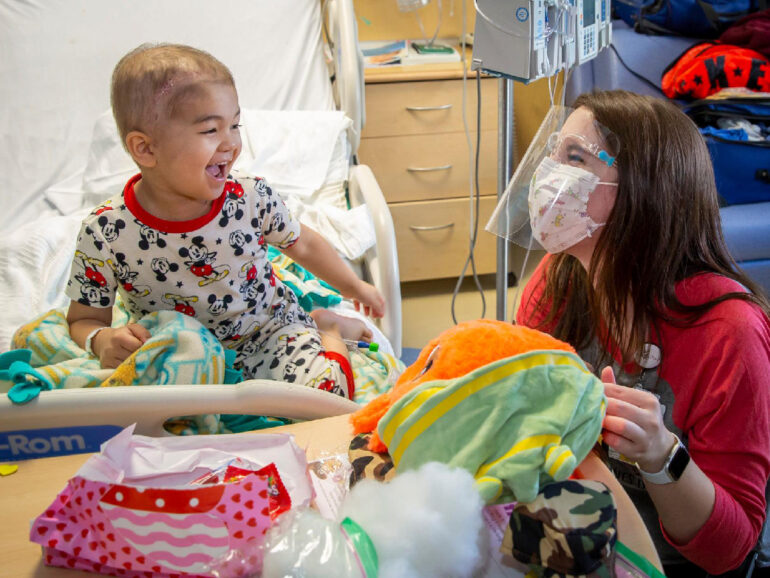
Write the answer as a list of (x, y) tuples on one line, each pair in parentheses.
[(544, 205)]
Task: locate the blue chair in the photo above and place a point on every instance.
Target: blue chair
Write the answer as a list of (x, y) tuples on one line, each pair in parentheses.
[(747, 232)]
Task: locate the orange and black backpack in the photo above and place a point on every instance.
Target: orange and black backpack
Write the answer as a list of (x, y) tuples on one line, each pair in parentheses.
[(708, 67)]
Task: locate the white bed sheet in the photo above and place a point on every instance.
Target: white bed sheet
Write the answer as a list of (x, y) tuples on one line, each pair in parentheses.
[(34, 268)]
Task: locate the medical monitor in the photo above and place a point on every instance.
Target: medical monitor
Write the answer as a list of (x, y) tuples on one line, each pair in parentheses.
[(530, 39)]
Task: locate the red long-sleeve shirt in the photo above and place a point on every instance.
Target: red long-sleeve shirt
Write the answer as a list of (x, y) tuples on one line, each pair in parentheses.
[(719, 373)]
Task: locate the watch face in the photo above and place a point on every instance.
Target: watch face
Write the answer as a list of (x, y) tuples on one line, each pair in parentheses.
[(678, 463)]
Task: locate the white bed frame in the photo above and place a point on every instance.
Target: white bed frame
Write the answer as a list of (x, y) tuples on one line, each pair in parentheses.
[(381, 264), (150, 406)]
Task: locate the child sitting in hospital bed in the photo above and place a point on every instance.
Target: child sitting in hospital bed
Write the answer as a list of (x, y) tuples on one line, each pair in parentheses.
[(184, 235)]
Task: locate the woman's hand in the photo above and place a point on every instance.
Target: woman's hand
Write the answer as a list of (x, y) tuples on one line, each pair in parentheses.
[(633, 425)]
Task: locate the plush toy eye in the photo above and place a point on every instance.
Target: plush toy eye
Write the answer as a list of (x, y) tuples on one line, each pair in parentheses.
[(429, 361)]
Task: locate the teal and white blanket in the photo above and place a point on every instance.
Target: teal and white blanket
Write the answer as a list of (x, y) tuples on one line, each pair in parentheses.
[(180, 351)]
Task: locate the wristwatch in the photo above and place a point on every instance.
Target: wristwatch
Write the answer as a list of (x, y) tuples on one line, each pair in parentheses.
[(672, 470)]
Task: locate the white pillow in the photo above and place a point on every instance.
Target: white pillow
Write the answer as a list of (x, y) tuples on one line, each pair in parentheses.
[(109, 166), (299, 152)]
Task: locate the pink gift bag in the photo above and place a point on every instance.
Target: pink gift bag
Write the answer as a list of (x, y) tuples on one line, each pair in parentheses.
[(163, 523)]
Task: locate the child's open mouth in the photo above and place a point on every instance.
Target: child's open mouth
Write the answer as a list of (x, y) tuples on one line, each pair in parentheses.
[(218, 171)]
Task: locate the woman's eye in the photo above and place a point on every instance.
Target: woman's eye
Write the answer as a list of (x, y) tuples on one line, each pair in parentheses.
[(575, 159), (209, 131), (236, 126)]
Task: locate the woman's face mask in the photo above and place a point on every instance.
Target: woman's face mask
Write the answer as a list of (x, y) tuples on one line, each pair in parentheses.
[(558, 205)]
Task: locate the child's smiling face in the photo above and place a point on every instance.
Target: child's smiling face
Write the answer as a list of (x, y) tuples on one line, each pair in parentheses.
[(196, 146)]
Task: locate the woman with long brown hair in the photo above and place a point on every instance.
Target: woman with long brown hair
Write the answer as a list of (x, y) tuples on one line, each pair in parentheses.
[(640, 281)]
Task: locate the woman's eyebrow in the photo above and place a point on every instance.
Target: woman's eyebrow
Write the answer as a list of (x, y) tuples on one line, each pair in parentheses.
[(574, 147)]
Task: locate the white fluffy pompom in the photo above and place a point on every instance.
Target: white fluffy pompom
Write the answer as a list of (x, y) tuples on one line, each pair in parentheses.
[(426, 522)]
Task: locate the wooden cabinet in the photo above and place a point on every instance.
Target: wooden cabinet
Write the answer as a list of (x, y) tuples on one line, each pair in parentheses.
[(416, 145), (434, 236)]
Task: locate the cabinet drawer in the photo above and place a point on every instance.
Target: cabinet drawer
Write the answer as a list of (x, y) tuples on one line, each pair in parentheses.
[(422, 167), (400, 108), (433, 238)]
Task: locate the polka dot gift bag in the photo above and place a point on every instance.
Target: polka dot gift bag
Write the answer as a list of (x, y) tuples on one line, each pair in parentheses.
[(163, 507)]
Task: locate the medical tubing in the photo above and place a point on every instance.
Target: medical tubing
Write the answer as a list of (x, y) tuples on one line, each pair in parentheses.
[(422, 28), (466, 130), (353, 344), (475, 227), (362, 345), (438, 25), (475, 235), (647, 81), (419, 23)]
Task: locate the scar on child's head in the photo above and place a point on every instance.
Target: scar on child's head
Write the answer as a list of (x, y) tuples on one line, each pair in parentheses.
[(165, 89), (172, 93)]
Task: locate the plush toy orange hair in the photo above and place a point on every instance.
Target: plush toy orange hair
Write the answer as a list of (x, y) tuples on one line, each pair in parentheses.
[(455, 352)]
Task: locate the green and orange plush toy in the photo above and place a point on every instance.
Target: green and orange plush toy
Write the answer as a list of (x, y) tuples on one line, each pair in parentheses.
[(512, 405)]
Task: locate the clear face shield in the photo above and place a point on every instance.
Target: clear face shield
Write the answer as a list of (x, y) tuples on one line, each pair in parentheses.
[(545, 205)]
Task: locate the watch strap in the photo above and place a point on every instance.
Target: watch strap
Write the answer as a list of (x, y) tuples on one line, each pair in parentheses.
[(664, 476)]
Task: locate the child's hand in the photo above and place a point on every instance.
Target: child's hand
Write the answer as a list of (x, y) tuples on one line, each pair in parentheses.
[(113, 346), (368, 300)]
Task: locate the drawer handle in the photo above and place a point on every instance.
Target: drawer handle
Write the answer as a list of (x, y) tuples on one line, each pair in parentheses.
[(424, 108), (431, 228), (428, 169)]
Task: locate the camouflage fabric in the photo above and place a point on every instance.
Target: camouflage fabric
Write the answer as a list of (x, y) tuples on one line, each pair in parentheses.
[(366, 463), (570, 529)]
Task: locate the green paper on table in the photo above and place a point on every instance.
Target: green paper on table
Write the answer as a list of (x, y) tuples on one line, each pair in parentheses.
[(423, 48)]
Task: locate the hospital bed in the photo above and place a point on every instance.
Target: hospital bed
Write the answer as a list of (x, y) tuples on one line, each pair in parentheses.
[(299, 76)]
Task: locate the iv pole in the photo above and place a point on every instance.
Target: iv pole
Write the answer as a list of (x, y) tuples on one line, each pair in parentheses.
[(506, 149)]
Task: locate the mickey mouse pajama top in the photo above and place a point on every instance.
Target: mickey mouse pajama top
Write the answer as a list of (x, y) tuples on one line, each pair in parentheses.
[(214, 268)]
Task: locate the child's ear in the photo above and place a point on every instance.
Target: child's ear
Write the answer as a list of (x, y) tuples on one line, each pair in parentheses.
[(139, 146)]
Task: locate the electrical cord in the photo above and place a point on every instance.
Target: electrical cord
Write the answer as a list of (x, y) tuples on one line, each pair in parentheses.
[(470, 156), (475, 201), (634, 73), (438, 25)]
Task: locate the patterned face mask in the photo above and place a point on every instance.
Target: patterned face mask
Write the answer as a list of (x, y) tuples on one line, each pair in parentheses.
[(558, 201)]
